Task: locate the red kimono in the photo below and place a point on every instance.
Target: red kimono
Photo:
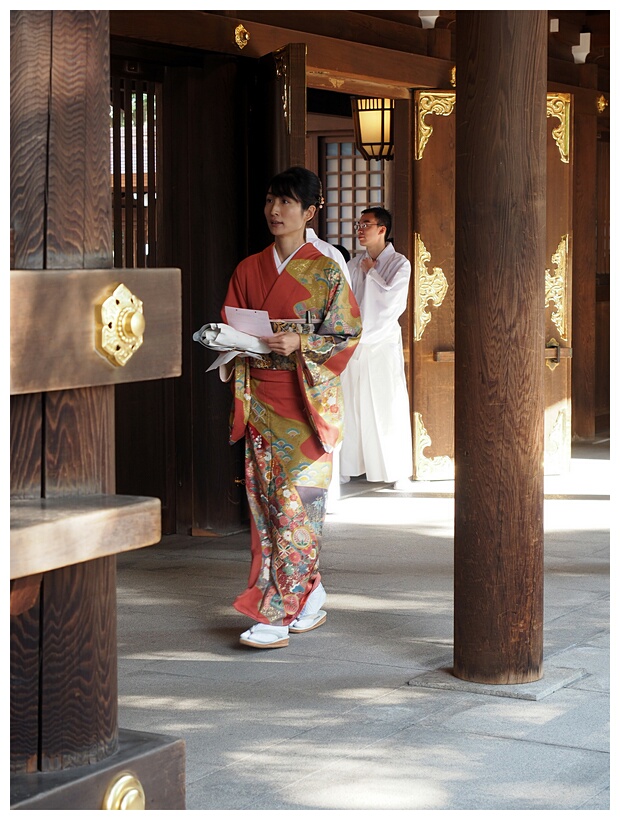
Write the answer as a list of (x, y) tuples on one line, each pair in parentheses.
[(290, 410)]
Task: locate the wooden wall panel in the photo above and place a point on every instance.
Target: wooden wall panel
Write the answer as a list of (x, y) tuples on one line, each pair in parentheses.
[(207, 249), (433, 274), (558, 267)]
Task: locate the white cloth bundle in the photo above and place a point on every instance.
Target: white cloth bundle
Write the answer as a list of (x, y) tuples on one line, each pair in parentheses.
[(229, 342)]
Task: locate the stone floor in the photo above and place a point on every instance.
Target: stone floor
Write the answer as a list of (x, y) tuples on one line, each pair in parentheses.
[(364, 712)]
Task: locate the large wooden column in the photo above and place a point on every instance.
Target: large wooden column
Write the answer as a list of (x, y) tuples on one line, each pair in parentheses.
[(501, 74)]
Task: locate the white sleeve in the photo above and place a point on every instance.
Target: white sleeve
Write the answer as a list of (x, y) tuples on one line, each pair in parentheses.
[(384, 301)]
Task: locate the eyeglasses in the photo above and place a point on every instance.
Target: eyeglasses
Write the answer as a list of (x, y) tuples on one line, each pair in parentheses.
[(363, 226)]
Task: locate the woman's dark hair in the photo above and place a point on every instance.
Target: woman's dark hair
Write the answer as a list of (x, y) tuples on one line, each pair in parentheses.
[(383, 217), (299, 184), (345, 253)]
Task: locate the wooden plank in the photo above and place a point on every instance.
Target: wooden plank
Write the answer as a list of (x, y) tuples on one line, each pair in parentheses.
[(49, 533), (550, 353), (79, 436), (317, 78), (54, 328), (24, 677), (30, 70), (78, 199), (584, 267), (26, 445), (338, 58), (78, 684)]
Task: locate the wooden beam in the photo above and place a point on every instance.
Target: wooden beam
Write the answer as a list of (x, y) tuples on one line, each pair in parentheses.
[(48, 533), (327, 56), (55, 324), (372, 30)]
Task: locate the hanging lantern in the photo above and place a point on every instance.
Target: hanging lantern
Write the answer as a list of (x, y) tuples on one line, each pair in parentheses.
[(373, 125)]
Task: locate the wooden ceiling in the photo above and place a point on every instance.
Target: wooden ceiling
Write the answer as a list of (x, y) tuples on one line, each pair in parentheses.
[(395, 29), (396, 41)]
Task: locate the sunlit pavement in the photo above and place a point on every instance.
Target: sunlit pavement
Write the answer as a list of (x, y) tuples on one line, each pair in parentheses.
[(364, 713)]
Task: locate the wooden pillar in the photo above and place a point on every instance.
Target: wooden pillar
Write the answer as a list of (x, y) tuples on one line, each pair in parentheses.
[(584, 264), (64, 709), (501, 72)]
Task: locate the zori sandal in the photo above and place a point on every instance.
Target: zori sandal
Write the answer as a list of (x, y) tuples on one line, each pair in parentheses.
[(311, 616), (308, 622), (265, 636)]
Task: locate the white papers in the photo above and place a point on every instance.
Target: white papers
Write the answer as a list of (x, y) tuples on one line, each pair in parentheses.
[(239, 337), (229, 342), (254, 322)]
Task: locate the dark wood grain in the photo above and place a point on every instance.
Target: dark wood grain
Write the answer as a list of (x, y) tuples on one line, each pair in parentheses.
[(79, 697), (584, 267), (500, 248), (24, 680), (78, 208), (30, 69), (79, 437), (26, 445)]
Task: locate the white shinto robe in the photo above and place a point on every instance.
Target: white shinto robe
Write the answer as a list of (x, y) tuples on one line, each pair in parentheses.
[(377, 423)]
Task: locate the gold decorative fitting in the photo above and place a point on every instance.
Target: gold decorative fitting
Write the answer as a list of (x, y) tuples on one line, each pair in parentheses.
[(124, 793), (555, 286), (558, 105), (432, 102), (428, 287), (601, 104), (453, 77), (553, 363), (122, 326), (282, 71), (439, 468), (242, 36)]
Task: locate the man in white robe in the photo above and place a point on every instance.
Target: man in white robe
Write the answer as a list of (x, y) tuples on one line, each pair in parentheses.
[(377, 428)]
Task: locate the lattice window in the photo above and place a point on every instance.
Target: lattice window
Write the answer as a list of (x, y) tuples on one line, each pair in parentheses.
[(133, 146), (351, 184)]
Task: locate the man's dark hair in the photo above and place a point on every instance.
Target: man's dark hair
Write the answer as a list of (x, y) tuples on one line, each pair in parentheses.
[(383, 217)]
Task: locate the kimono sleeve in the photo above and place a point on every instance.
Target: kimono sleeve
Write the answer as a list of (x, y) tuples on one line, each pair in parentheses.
[(325, 353)]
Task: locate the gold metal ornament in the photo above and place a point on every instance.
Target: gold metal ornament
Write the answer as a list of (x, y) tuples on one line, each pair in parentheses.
[(432, 102), (122, 325), (242, 36), (428, 287), (601, 104), (555, 286), (439, 468), (453, 77), (558, 105), (282, 71), (124, 793)]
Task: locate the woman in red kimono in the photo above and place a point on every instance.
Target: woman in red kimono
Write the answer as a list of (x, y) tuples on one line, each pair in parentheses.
[(288, 405)]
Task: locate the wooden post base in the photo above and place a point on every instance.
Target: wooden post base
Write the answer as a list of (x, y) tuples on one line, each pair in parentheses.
[(157, 762)]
